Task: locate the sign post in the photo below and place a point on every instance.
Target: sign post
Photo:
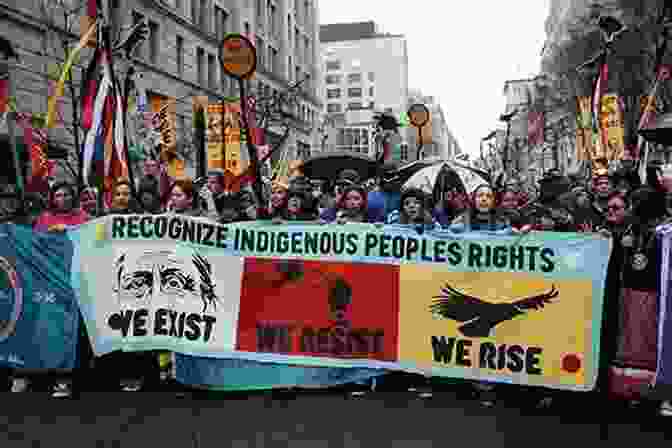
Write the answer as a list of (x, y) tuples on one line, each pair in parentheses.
[(418, 115), (238, 58)]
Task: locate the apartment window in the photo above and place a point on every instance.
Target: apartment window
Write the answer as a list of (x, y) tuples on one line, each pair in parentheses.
[(306, 49), (260, 10), (354, 78), (274, 60), (298, 74), (297, 43), (260, 53), (372, 76), (333, 93), (333, 108), (200, 62), (247, 29), (212, 72), (179, 56), (371, 91), (404, 152), (221, 19), (137, 18), (353, 139), (306, 12), (302, 151), (154, 40), (289, 27), (194, 11), (333, 65), (333, 79), (271, 18), (355, 92), (372, 104), (290, 69), (354, 106)]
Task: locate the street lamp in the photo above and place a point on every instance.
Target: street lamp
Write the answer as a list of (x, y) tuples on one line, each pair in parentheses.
[(506, 118)]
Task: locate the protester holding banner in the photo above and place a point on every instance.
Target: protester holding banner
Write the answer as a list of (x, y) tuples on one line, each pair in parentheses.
[(149, 195), (353, 206), (414, 211), (278, 200), (483, 215), (122, 203)]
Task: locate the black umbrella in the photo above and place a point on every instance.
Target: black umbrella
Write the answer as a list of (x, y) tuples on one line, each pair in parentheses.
[(394, 179), (327, 166)]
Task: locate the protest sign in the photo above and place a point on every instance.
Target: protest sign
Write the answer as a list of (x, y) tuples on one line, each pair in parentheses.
[(523, 309), (38, 311), (146, 295)]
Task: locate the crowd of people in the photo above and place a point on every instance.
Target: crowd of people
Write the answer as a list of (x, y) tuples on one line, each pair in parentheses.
[(614, 205)]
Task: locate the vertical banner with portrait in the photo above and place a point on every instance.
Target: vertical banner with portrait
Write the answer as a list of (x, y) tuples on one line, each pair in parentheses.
[(584, 129)]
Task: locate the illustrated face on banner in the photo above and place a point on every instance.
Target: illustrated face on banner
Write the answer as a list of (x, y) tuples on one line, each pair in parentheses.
[(164, 278)]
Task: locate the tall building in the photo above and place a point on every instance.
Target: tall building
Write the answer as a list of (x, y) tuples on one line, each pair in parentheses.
[(443, 146), (180, 57), (364, 71)]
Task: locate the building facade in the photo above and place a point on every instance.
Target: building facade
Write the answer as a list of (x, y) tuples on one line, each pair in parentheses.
[(180, 58), (364, 72)]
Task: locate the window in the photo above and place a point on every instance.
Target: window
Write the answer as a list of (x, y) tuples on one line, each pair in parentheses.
[(333, 93), (333, 108), (212, 72), (154, 39), (333, 65), (353, 139), (290, 69), (194, 11), (298, 74), (204, 15), (200, 61), (355, 92), (372, 77), (372, 104), (354, 106), (297, 44), (260, 9), (302, 151), (179, 56), (354, 78), (260, 53), (221, 19), (271, 18), (371, 91), (306, 50), (404, 152), (289, 27), (274, 60), (333, 79)]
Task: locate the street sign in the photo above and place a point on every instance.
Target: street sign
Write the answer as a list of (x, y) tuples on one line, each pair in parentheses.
[(238, 56), (418, 115)]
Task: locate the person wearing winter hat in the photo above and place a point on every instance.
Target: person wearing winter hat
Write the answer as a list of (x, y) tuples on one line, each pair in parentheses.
[(353, 205), (413, 210)]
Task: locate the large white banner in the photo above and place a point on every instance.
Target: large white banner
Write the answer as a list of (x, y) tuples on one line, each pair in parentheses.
[(158, 294)]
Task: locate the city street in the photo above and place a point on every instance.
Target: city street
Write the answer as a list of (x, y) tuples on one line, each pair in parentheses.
[(315, 419)]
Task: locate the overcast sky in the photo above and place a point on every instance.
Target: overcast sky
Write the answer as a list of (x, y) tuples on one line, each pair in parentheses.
[(459, 51)]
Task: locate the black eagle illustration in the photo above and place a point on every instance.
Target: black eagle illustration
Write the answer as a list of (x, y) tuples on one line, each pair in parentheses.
[(481, 317)]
